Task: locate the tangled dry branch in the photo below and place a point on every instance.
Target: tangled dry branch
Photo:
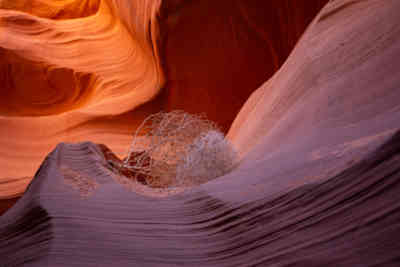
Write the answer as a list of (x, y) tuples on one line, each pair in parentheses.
[(179, 149)]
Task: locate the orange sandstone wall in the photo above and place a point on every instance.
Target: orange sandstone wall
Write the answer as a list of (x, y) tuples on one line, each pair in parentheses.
[(79, 70)]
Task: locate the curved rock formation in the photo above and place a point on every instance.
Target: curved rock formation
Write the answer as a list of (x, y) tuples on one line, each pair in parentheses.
[(75, 70), (66, 65), (348, 220), (317, 185)]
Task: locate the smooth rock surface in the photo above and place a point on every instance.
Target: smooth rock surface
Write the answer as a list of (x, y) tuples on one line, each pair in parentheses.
[(77, 70), (318, 183)]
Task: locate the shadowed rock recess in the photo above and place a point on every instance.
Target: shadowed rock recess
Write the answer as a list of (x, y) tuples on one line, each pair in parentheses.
[(316, 131)]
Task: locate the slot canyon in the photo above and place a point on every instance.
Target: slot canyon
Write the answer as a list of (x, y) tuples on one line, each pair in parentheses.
[(306, 91)]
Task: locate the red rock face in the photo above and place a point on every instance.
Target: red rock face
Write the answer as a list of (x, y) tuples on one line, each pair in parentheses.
[(216, 53), (317, 184)]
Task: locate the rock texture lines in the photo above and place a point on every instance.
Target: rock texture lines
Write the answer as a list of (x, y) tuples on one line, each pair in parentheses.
[(319, 172)]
